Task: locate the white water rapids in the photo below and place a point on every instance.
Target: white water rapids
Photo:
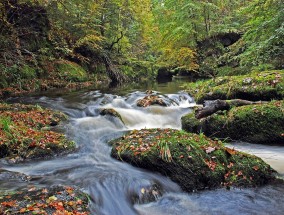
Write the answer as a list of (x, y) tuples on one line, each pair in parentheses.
[(114, 186)]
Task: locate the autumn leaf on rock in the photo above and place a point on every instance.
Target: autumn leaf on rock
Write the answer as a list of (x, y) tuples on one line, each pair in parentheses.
[(231, 151), (255, 168)]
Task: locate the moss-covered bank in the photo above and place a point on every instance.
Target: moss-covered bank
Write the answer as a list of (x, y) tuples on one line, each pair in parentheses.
[(194, 161), (259, 123), (254, 86), (25, 133), (48, 75), (57, 200)]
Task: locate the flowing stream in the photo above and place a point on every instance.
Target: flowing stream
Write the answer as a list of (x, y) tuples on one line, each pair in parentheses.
[(115, 187)]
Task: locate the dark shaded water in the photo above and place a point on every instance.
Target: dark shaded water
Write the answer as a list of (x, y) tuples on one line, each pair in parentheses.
[(117, 188)]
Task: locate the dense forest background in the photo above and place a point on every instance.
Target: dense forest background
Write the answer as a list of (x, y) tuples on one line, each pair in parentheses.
[(126, 40)]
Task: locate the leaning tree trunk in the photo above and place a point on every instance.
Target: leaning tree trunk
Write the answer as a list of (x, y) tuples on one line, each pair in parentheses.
[(113, 73), (211, 107)]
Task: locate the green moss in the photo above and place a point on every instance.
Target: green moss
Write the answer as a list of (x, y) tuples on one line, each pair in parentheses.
[(191, 124), (70, 71), (193, 161), (262, 123), (3, 83), (28, 72), (255, 86)]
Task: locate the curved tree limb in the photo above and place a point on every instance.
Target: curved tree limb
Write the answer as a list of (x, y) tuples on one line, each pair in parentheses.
[(211, 107), (115, 42)]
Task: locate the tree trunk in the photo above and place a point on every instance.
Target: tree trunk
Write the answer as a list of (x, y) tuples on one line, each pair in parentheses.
[(211, 107)]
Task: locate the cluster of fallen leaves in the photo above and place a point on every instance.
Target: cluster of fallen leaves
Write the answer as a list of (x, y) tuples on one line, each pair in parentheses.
[(26, 127), (57, 201)]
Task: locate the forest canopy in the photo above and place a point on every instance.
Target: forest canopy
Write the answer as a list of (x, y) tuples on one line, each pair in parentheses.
[(129, 38)]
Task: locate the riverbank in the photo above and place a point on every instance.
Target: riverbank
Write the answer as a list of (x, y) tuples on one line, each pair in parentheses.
[(26, 133)]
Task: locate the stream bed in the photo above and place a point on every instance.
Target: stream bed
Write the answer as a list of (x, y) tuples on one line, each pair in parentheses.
[(115, 187)]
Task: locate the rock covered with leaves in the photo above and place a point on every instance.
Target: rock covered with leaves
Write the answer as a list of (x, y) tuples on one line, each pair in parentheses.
[(194, 161), (258, 123), (25, 132), (254, 86), (56, 200), (151, 100)]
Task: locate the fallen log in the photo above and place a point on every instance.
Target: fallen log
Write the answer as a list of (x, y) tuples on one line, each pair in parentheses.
[(210, 107)]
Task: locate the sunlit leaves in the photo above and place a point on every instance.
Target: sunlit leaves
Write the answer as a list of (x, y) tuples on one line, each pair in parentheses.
[(265, 33)]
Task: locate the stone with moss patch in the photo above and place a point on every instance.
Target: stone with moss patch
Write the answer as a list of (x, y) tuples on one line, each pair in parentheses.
[(25, 132), (110, 112), (194, 161), (255, 86), (260, 123)]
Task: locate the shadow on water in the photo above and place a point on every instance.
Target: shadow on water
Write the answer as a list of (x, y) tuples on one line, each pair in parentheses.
[(116, 187)]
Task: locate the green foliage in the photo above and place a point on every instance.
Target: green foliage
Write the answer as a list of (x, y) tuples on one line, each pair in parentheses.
[(265, 33), (151, 32), (70, 71), (5, 123)]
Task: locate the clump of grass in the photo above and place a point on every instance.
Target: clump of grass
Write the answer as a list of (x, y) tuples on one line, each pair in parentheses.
[(165, 151), (5, 123)]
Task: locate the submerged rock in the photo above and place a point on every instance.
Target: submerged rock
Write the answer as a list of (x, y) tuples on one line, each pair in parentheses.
[(55, 200), (193, 161), (259, 123), (110, 112)]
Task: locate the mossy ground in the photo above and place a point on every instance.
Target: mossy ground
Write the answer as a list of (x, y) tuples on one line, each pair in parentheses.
[(260, 123), (57, 200), (194, 161), (254, 86), (48, 75), (25, 133), (70, 71)]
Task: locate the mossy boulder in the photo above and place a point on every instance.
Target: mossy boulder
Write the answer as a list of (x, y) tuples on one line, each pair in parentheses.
[(55, 200), (259, 123), (193, 161), (25, 133), (255, 86)]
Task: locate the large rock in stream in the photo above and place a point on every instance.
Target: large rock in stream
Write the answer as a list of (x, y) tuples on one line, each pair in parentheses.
[(193, 161), (258, 123)]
